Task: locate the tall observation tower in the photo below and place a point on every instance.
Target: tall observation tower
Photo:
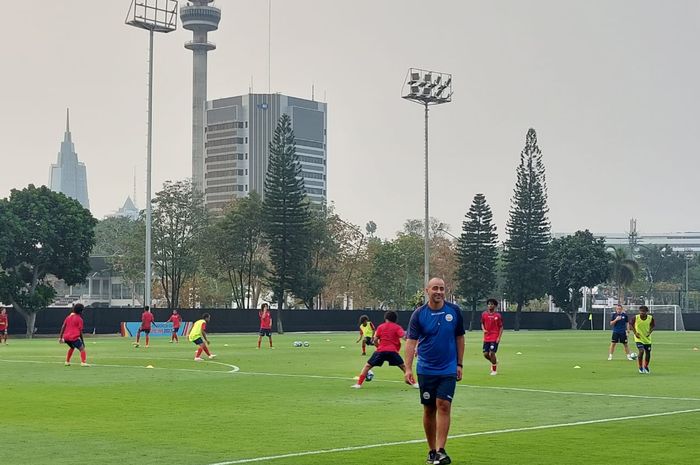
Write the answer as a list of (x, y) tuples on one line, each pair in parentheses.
[(200, 18)]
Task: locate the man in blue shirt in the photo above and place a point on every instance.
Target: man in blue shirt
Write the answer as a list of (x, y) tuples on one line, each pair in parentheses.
[(437, 329), (618, 323)]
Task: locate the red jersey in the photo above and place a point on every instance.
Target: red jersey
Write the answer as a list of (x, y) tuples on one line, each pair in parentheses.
[(72, 327), (265, 320), (174, 319), (389, 335), (146, 319), (3, 322), (492, 323)]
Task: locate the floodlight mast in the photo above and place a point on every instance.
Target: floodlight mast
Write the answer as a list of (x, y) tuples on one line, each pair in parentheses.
[(427, 88), (154, 16)]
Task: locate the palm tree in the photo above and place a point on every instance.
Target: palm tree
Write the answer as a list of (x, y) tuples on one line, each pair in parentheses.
[(623, 270)]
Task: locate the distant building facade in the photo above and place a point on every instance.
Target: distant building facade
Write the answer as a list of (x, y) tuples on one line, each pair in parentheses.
[(68, 175), (128, 210), (237, 134), (678, 241)]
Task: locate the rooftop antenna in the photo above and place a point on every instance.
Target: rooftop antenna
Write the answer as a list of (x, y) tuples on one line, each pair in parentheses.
[(312, 93)]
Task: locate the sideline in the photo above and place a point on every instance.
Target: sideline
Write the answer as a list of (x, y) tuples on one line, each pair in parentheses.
[(456, 436), (234, 368)]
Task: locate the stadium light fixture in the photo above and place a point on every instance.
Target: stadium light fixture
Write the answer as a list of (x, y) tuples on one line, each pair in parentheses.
[(427, 88)]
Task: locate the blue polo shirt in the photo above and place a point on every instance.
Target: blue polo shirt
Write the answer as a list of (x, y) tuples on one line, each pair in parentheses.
[(436, 332), (621, 326)]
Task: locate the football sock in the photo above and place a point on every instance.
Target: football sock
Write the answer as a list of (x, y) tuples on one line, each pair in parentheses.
[(493, 367), (206, 350), (258, 343), (270, 342), (639, 362), (147, 339), (70, 354), (364, 348), (138, 337), (83, 356), (198, 353), (175, 337), (361, 380)]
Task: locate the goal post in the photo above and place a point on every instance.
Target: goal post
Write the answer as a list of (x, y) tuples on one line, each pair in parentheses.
[(668, 317)]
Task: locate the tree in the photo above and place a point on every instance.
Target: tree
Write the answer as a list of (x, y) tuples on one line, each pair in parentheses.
[(528, 230), (179, 221), (287, 215), (575, 262), (477, 253), (660, 263), (44, 234), (622, 270), (241, 262), (396, 271)]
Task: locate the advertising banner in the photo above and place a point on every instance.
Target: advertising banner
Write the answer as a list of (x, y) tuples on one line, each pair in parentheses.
[(130, 328)]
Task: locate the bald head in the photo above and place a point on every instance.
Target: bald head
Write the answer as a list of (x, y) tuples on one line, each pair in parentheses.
[(436, 293)]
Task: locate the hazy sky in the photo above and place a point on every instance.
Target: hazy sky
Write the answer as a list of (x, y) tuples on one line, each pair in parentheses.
[(612, 88)]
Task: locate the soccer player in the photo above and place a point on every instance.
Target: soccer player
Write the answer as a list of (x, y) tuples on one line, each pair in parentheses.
[(4, 325), (147, 319), (438, 329), (643, 325), (387, 339), (492, 325), (198, 335), (72, 334), (618, 323), (366, 333), (265, 324), (176, 320)]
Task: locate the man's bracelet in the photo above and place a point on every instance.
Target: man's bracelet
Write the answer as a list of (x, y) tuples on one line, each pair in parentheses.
[(460, 365)]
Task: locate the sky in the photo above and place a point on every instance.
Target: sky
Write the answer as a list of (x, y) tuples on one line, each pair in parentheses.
[(611, 87)]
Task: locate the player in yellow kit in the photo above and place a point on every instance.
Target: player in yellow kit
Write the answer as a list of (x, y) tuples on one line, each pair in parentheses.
[(366, 333), (198, 335), (643, 325)]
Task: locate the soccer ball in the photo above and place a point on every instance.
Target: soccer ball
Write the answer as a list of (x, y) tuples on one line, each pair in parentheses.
[(297, 343), (306, 343), (370, 376), (633, 356)]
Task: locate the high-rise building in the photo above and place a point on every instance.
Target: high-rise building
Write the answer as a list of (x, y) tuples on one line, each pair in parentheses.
[(200, 18), (238, 132), (68, 175)]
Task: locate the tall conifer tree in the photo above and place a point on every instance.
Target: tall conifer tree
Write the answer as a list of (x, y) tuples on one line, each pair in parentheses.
[(286, 213), (528, 230), (476, 254)]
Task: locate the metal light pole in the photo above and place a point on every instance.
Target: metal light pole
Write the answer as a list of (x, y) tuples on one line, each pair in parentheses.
[(153, 16), (427, 88)]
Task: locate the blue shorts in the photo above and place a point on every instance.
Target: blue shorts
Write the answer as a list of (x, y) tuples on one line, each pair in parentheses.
[(378, 358), (77, 344), (434, 387), (198, 341), (642, 346), (619, 337), (490, 347)]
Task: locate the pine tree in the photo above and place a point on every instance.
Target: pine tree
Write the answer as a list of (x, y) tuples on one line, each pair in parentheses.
[(528, 230), (476, 254), (286, 213)]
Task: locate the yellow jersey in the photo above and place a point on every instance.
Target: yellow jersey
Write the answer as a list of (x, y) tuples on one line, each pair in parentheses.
[(643, 328), (196, 331)]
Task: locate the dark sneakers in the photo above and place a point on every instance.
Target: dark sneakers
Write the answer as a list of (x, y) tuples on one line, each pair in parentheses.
[(441, 458), (432, 457)]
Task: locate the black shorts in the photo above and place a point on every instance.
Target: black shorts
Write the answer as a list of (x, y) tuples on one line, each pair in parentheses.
[(378, 358), (147, 331), (266, 332), (175, 330), (619, 337), (434, 387), (77, 344), (368, 341), (198, 341), (3, 331), (642, 346), (490, 347)]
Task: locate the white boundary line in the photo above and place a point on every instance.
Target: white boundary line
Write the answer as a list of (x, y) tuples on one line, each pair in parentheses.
[(456, 436), (236, 370)]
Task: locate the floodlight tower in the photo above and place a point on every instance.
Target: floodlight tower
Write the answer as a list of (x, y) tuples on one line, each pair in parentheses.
[(200, 18), (427, 88), (153, 16)]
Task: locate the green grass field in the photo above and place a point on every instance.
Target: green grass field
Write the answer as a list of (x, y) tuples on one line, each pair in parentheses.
[(297, 402)]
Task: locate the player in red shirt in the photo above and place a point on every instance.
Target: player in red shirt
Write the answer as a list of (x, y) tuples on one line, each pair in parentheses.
[(265, 324), (3, 325), (147, 319), (176, 320), (387, 339), (72, 334), (492, 325)]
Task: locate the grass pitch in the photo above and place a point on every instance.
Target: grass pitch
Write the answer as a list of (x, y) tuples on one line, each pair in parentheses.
[(295, 406)]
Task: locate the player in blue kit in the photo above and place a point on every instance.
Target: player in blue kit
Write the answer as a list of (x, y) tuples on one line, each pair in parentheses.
[(618, 323)]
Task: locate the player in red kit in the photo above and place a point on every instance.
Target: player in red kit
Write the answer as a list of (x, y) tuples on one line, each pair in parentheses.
[(3, 325), (147, 319), (492, 325), (387, 339), (265, 324), (176, 320), (72, 334)]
